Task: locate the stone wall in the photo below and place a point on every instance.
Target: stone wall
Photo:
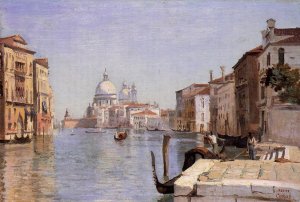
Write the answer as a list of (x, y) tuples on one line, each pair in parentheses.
[(284, 125)]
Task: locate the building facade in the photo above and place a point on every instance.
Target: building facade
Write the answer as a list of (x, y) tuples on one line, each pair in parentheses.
[(246, 86), (167, 119), (226, 113), (110, 111), (202, 101), (280, 46), (128, 94), (185, 107), (172, 119), (43, 95), (16, 84), (142, 120), (105, 94), (214, 85), (179, 110)]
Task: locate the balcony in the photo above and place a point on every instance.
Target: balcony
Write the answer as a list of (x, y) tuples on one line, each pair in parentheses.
[(21, 100), (20, 72)]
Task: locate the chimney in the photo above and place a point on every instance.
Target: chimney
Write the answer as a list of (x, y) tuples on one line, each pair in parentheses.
[(211, 75), (223, 72), (271, 23)]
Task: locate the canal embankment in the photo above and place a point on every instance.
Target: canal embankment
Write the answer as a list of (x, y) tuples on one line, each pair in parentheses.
[(244, 180)]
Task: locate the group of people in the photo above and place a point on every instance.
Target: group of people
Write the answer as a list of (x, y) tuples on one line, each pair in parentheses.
[(251, 144)]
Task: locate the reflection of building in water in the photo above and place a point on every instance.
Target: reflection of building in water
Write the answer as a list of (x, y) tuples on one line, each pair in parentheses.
[(30, 171), (109, 111)]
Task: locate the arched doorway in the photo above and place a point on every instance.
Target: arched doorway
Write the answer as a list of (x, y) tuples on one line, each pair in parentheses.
[(20, 127)]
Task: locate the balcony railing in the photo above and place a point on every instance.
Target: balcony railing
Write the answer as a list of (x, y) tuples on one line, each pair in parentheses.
[(20, 99), (20, 72)]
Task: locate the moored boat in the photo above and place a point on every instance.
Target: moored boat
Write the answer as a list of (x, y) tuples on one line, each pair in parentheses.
[(154, 129)]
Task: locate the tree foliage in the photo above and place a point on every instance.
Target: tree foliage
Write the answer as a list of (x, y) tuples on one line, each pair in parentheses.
[(286, 81)]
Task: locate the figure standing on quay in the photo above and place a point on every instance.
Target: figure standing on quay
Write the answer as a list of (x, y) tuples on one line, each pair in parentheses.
[(251, 144)]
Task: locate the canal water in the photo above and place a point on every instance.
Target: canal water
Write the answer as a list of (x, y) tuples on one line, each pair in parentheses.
[(79, 166)]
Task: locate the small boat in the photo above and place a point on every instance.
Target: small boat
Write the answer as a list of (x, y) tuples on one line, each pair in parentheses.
[(96, 130), (121, 135), (155, 129), (190, 158)]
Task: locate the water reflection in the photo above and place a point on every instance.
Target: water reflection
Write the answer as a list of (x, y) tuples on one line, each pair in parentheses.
[(27, 171), (88, 167)]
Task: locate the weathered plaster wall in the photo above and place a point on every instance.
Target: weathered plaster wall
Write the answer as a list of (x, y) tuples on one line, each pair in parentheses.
[(285, 125)]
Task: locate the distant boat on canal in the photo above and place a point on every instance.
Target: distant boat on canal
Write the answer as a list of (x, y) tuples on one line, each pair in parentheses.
[(94, 130)]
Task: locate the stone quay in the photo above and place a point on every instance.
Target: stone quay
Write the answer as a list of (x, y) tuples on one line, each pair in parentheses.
[(241, 180)]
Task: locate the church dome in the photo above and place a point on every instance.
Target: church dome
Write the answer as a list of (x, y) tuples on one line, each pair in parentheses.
[(105, 87), (124, 94)]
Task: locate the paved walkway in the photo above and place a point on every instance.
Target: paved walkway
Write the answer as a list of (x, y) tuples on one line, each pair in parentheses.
[(241, 180)]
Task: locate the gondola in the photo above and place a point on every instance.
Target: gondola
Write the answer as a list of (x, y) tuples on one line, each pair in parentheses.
[(189, 160), (120, 135)]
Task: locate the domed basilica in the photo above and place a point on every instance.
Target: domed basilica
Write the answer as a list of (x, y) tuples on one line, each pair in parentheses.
[(106, 93)]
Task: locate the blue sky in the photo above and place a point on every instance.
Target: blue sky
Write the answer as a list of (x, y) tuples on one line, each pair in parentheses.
[(162, 46)]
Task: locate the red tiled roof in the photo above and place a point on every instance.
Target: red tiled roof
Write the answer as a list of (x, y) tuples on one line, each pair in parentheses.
[(220, 79), (287, 31), (133, 105), (9, 39), (200, 84), (293, 32), (145, 112), (42, 61), (253, 51), (193, 85), (294, 39), (9, 42), (202, 91), (206, 91), (257, 49)]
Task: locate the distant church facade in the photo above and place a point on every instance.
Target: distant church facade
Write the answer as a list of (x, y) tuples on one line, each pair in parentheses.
[(111, 108)]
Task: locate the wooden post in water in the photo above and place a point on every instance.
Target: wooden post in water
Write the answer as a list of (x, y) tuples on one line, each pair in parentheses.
[(165, 152)]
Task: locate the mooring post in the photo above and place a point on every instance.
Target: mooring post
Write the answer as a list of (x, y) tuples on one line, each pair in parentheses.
[(165, 152)]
